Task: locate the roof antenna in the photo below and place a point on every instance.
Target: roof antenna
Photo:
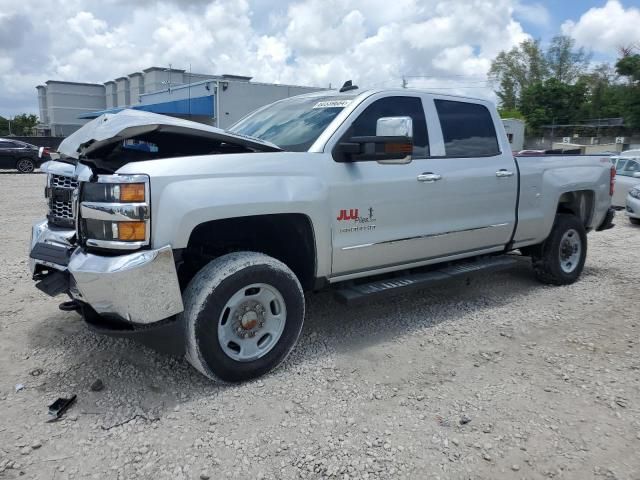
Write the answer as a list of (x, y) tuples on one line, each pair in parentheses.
[(348, 85)]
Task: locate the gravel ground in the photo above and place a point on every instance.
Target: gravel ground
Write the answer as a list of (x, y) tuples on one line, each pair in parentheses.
[(502, 378)]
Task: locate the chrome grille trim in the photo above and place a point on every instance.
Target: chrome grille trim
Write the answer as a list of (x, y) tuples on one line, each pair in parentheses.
[(61, 211)]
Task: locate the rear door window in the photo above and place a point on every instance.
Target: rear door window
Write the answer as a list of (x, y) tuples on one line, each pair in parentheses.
[(467, 129)]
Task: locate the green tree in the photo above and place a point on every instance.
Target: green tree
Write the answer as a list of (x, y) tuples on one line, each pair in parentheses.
[(564, 63), (629, 66), (23, 124), (552, 101), (516, 69), (4, 127)]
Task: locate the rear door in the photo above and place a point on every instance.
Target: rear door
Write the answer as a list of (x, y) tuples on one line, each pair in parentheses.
[(470, 206)]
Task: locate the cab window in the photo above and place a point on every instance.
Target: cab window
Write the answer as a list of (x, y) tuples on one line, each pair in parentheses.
[(365, 124), (467, 129)]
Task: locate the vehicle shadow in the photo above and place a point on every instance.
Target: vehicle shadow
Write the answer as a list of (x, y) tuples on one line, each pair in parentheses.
[(145, 383)]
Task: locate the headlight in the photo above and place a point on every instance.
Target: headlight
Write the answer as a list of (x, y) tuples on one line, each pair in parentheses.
[(635, 192), (115, 212)]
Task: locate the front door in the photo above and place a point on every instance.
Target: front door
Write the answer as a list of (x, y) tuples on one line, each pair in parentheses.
[(374, 205)]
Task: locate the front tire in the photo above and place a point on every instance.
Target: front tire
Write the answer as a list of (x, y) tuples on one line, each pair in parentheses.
[(243, 315), (635, 221), (561, 257), (25, 165)]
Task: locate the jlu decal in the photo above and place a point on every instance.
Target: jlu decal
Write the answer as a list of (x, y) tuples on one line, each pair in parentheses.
[(352, 215)]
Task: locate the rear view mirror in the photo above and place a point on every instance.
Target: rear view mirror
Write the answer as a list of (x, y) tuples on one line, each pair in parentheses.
[(392, 144), (394, 127)]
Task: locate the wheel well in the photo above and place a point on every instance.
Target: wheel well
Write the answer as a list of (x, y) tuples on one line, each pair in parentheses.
[(578, 203), (287, 237)]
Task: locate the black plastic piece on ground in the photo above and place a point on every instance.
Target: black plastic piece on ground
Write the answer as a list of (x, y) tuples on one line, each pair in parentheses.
[(54, 283), (47, 252), (70, 306), (61, 405)]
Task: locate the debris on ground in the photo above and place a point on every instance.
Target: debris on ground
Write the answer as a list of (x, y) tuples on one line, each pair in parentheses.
[(97, 386), (61, 405)]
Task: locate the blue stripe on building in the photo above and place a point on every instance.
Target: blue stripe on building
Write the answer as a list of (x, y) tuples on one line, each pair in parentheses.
[(201, 106)]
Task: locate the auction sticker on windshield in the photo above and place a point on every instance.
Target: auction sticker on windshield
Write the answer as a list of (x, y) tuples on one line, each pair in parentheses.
[(332, 104)]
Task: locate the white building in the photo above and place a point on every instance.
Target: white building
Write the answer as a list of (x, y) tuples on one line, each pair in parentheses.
[(515, 133), (218, 100)]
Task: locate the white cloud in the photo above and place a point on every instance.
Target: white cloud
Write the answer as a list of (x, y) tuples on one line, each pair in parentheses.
[(434, 43), (606, 29), (534, 13)]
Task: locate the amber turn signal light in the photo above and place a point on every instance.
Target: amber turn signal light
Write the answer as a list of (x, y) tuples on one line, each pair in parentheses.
[(132, 192), (131, 231)]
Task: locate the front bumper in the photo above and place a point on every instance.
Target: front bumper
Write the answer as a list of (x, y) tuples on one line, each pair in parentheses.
[(139, 288), (633, 207)]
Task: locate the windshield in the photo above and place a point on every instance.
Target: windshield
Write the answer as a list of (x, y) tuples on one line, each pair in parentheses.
[(295, 123)]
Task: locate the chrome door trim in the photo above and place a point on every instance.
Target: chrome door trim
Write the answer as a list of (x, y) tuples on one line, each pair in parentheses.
[(420, 237)]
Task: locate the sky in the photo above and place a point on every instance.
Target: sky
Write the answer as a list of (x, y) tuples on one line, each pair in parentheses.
[(446, 45)]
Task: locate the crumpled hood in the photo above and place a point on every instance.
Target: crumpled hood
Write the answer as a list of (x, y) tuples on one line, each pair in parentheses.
[(111, 128)]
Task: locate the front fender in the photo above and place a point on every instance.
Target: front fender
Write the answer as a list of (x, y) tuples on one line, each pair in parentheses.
[(180, 205)]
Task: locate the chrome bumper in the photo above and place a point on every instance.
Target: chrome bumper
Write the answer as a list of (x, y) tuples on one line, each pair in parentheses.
[(140, 287)]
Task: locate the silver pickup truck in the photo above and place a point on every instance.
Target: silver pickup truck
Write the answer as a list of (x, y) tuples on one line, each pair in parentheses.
[(159, 224)]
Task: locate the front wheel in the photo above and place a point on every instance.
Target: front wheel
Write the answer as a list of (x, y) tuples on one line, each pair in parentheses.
[(561, 258), (243, 315), (635, 221), (25, 165)]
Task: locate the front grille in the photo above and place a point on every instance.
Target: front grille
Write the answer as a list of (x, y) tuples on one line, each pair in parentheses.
[(64, 182), (60, 200)]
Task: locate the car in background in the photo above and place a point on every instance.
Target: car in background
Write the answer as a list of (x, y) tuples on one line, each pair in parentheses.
[(633, 205), (21, 156), (627, 175)]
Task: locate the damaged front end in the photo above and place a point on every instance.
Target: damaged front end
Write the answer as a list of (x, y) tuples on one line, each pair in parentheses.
[(95, 245)]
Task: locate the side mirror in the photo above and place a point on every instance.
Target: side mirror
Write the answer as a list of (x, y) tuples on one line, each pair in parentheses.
[(392, 144), (636, 174)]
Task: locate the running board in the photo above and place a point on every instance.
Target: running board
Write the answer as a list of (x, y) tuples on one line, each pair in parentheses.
[(353, 293)]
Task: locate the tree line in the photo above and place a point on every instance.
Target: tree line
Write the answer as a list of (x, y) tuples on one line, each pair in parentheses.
[(20, 125), (558, 85)]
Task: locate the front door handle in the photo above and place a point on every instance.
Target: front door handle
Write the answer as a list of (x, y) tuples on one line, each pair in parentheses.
[(504, 173), (429, 177)]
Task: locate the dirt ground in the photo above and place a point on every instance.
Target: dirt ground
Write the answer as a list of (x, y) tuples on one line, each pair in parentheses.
[(503, 378)]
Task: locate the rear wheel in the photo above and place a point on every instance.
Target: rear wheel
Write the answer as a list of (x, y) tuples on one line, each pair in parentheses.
[(243, 315), (560, 259), (635, 221), (25, 165)]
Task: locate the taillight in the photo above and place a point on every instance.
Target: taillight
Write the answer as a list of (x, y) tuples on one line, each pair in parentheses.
[(612, 181)]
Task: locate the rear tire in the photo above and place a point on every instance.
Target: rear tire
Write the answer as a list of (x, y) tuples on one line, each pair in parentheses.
[(560, 259), (25, 165), (243, 315), (635, 221)]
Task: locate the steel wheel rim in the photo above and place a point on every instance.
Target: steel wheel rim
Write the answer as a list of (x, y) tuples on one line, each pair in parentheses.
[(252, 322), (25, 166), (570, 250)]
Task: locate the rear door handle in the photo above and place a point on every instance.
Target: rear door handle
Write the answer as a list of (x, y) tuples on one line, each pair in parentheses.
[(429, 177), (504, 173)]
